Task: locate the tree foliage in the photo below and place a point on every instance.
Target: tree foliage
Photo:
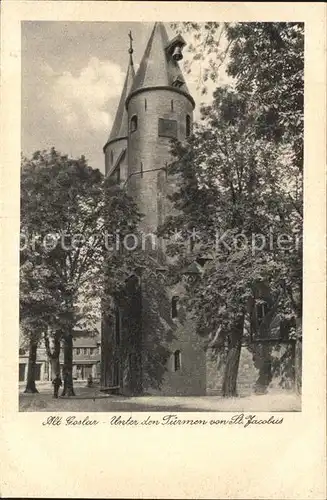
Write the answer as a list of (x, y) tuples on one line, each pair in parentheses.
[(241, 176), (68, 214)]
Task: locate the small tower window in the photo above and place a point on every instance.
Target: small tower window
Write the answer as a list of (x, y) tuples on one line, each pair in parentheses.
[(145, 104), (188, 125), (261, 311), (133, 123), (178, 82), (174, 307), (172, 105), (177, 360), (141, 169), (111, 157), (192, 243), (167, 128)]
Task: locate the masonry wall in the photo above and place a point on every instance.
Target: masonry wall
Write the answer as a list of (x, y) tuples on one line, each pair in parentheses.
[(148, 151), (282, 358), (112, 152), (162, 337)]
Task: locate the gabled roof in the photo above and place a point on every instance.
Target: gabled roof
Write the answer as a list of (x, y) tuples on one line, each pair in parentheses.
[(193, 268), (120, 125), (157, 67)]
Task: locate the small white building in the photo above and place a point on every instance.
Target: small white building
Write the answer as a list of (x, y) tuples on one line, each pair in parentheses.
[(86, 359)]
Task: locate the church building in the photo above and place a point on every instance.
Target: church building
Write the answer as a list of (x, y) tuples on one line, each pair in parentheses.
[(149, 345)]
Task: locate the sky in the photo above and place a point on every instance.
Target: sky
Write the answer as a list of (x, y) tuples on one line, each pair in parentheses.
[(72, 77)]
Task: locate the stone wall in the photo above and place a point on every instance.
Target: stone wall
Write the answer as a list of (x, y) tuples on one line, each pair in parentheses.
[(147, 150), (112, 152), (282, 360), (163, 336)]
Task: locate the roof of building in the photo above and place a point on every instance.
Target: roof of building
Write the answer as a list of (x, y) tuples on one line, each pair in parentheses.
[(86, 341), (157, 67), (120, 125)]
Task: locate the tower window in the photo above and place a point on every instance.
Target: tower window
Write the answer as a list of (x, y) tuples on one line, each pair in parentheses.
[(174, 307), (261, 311), (145, 104), (133, 123), (167, 128), (141, 169), (178, 82), (192, 243), (188, 125), (177, 360), (172, 105), (111, 157)]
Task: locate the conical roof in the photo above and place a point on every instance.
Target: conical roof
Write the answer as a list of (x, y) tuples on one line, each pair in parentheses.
[(120, 125), (157, 67)]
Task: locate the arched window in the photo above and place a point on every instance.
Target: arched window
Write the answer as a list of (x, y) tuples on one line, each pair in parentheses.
[(192, 243), (174, 307), (145, 104), (177, 360), (172, 105), (261, 311), (188, 125), (133, 123), (111, 157)]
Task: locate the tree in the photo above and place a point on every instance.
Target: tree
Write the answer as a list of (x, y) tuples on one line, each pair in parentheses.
[(37, 301), (241, 173), (70, 264), (61, 203)]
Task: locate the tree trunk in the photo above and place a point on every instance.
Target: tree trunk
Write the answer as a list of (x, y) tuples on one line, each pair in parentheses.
[(30, 384), (265, 370), (55, 366), (233, 361), (68, 366), (53, 356)]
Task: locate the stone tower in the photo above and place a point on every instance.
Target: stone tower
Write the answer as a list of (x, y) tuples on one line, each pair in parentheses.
[(160, 108), (148, 341)]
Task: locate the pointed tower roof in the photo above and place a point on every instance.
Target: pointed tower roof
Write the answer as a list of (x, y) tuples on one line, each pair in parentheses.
[(157, 67), (119, 128)]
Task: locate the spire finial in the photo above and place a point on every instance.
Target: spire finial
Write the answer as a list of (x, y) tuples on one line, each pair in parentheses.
[(130, 43)]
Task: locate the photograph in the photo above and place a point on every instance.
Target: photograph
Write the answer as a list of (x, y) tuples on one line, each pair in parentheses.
[(161, 216)]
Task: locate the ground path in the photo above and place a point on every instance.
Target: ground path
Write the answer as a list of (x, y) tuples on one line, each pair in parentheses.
[(92, 400)]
